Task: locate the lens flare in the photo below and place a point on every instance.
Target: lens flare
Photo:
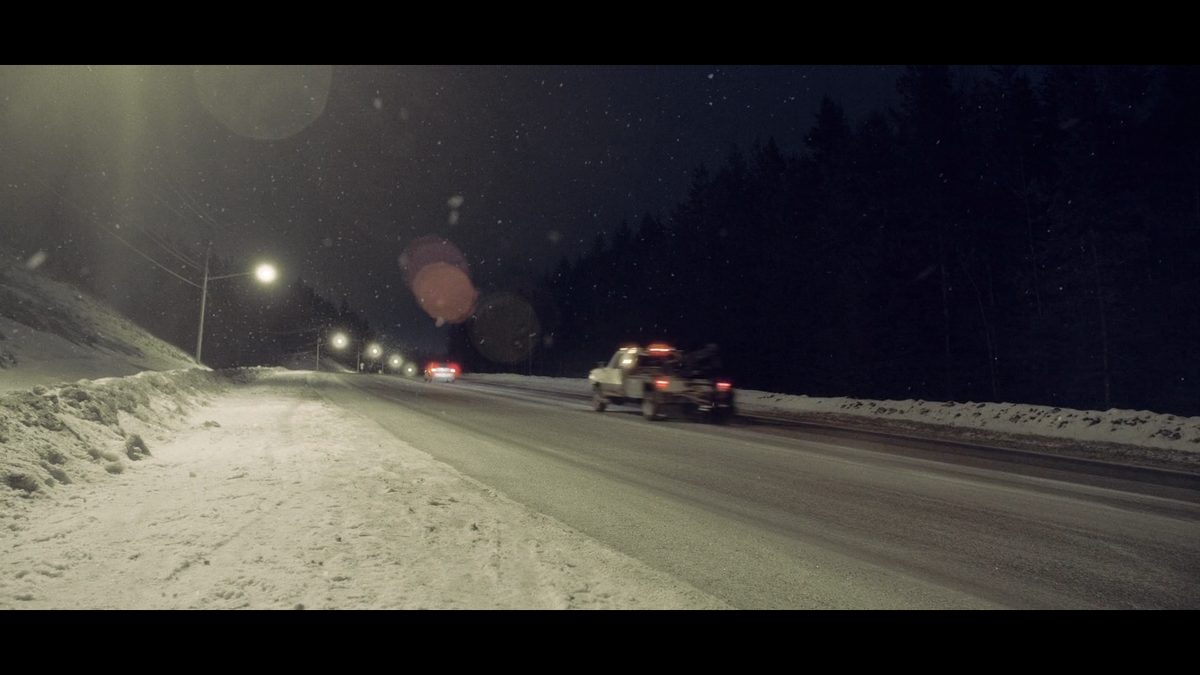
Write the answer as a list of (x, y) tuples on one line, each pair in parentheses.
[(428, 250), (438, 275), (506, 328), (444, 292), (266, 103)]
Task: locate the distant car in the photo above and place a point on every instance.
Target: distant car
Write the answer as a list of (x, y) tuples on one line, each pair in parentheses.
[(441, 372)]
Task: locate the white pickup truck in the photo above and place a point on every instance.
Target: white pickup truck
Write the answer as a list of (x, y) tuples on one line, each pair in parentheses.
[(659, 376)]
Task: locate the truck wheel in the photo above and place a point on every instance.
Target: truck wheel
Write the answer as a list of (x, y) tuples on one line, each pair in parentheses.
[(599, 402), (722, 415), (650, 406)]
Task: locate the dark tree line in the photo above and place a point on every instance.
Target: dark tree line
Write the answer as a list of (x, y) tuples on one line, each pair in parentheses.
[(1002, 239)]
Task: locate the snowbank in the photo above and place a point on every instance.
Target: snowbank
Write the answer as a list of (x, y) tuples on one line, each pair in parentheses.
[(79, 432), (1127, 436)]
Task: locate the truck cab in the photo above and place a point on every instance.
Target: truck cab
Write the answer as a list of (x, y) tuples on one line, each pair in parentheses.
[(660, 376), (627, 372)]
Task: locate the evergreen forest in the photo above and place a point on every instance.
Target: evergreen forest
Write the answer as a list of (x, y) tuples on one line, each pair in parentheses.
[(1026, 236)]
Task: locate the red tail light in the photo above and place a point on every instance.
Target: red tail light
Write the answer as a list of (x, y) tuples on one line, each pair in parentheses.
[(662, 383), (724, 386)]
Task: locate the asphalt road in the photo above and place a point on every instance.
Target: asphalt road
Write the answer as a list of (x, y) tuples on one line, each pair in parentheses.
[(769, 516)]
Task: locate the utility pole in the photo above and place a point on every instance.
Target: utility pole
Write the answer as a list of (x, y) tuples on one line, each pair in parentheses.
[(531, 336), (203, 302)]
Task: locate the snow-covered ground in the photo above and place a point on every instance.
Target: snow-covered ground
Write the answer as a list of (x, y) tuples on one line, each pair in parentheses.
[(195, 489), (189, 488)]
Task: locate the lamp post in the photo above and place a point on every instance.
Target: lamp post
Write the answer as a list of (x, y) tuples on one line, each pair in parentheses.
[(265, 273), (531, 336), (338, 341), (373, 350)]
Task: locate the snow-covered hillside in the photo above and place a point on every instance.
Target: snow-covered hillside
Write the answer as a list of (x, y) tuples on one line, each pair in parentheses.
[(51, 332)]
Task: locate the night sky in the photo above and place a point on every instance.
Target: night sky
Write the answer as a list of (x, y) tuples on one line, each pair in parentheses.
[(335, 172)]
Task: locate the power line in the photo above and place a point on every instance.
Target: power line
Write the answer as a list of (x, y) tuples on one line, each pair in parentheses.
[(116, 236)]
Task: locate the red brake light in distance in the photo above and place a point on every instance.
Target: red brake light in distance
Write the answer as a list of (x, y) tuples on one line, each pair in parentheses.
[(662, 383), (724, 386)]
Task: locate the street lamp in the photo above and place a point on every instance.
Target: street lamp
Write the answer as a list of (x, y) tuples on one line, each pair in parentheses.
[(373, 350), (531, 336), (339, 341), (265, 273)]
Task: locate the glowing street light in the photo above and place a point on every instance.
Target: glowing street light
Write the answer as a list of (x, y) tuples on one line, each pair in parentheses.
[(338, 340), (397, 364), (374, 351), (265, 273)]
